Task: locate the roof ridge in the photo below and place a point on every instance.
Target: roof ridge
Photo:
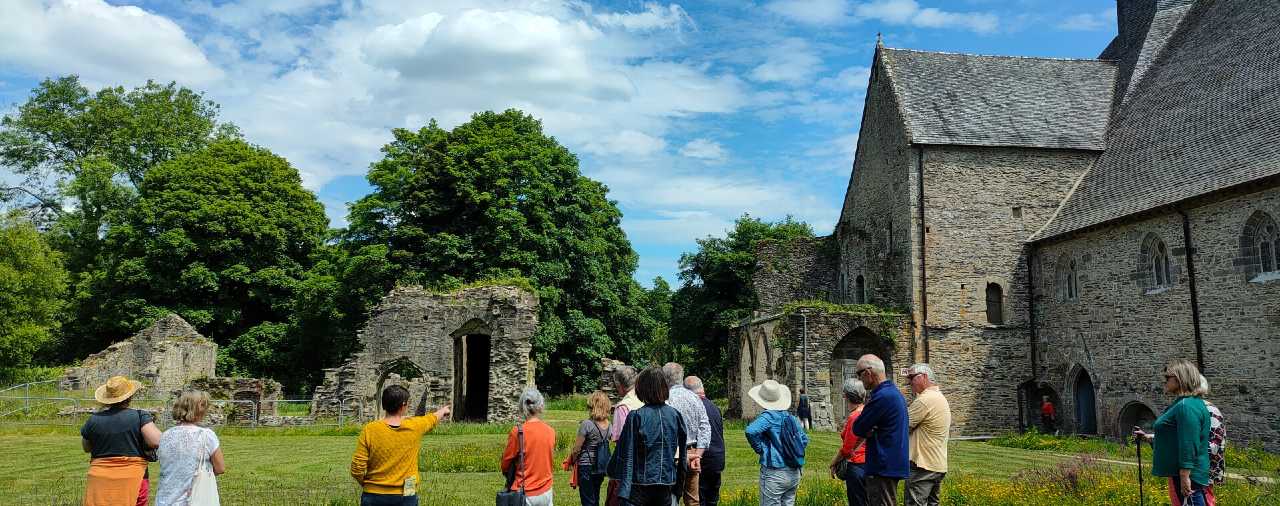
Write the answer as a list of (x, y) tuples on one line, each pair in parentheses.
[(1050, 58)]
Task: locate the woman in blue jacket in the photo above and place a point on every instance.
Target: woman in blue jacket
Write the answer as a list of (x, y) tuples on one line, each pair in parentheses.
[(649, 459), (780, 441)]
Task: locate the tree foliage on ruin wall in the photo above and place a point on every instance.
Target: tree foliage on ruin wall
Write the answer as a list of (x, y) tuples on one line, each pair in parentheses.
[(717, 291), (497, 197)]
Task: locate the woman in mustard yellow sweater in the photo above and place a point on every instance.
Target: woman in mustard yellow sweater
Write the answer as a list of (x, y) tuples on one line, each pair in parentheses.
[(386, 460)]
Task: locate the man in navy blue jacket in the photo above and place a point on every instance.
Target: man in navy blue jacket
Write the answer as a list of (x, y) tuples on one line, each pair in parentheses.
[(885, 426)]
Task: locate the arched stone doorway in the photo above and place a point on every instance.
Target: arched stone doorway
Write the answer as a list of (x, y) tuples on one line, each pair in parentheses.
[(1086, 404), (1135, 414), (844, 362), (404, 369)]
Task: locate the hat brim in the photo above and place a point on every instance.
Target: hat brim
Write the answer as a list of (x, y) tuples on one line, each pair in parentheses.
[(783, 403), (100, 394)]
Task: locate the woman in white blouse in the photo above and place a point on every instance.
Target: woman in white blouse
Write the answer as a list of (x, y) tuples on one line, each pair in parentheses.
[(188, 450)]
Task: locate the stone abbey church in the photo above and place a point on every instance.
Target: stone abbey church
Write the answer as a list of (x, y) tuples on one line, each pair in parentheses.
[(1053, 227)]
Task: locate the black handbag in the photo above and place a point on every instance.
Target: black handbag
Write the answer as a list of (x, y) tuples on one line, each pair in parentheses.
[(506, 496)]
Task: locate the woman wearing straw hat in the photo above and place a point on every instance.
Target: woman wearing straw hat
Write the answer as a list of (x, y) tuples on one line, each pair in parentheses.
[(780, 441), (118, 441)]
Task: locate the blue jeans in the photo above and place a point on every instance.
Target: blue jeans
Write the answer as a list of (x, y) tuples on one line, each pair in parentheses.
[(588, 486), (855, 486), (778, 486), (367, 499)]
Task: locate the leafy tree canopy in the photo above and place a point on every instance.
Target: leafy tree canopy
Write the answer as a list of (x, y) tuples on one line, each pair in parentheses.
[(32, 282), (496, 197), (222, 236), (717, 291)]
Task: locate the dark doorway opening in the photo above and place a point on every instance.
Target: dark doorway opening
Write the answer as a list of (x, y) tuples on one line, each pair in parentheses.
[(402, 367), (1086, 406), (844, 363), (1031, 397), (471, 355), (1135, 414)]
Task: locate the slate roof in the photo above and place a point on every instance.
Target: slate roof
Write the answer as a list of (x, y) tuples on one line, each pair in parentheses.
[(975, 100), (1205, 116)]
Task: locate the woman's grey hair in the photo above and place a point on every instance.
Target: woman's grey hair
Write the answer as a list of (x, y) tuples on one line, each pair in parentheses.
[(625, 377), (1203, 389), (674, 373), (854, 391), (923, 369), (531, 402)]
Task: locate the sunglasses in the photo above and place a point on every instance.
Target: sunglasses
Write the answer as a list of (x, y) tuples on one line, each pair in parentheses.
[(858, 373), (912, 376)]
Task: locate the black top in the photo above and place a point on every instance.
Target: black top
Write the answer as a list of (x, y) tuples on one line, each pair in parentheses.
[(116, 432), (713, 457), (802, 407)]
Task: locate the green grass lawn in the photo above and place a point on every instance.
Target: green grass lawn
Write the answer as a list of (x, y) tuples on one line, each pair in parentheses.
[(43, 465)]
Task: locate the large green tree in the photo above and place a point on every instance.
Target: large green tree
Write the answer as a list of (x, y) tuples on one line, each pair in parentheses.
[(496, 197), (717, 291), (80, 158), (32, 282), (223, 236)]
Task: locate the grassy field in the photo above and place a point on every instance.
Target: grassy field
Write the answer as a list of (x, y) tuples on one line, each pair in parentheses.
[(44, 465)]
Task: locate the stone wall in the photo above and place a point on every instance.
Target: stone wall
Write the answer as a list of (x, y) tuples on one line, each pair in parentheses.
[(419, 339), (263, 393), (980, 206), (1121, 331), (164, 356), (801, 269), (774, 348)]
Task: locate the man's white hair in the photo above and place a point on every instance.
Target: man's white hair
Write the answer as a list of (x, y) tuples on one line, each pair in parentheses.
[(923, 369), (872, 362), (694, 384)]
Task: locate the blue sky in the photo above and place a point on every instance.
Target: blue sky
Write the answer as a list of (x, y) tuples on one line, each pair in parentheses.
[(692, 113)]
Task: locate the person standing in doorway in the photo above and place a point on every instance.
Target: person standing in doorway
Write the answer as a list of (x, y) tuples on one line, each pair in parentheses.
[(930, 427), (803, 412), (713, 458), (1048, 416), (883, 423), (697, 427)]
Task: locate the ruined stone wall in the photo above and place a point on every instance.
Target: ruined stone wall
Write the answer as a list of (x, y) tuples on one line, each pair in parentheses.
[(1122, 332), (876, 225), (801, 269), (164, 356), (773, 348), (981, 204), (416, 330)]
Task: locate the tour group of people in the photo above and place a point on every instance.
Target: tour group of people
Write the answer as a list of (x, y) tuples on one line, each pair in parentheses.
[(660, 445)]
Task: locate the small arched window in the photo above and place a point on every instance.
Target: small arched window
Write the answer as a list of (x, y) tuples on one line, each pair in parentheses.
[(1260, 245), (1154, 264), (860, 290), (995, 304), (1068, 279)]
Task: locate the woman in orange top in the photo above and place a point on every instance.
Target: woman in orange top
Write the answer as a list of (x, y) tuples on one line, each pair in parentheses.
[(534, 473), (853, 450)]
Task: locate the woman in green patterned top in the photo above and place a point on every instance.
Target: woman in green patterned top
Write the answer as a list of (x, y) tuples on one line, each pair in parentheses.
[(1181, 439)]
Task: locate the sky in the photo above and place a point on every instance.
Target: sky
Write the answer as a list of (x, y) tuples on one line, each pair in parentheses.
[(692, 113)]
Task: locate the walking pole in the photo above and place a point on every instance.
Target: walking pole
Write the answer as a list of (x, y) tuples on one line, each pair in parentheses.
[(1141, 490)]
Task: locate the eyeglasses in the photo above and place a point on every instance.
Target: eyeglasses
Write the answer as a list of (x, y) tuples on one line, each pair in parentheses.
[(911, 377), (858, 373)]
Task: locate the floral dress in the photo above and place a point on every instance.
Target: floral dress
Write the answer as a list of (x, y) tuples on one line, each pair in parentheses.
[(1217, 445), (183, 448)]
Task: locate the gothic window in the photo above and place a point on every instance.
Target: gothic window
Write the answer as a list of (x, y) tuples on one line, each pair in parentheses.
[(1068, 279), (995, 304), (860, 290), (1260, 245), (1156, 271)]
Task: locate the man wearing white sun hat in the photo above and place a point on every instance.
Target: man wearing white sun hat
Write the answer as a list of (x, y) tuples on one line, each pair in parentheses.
[(780, 441)]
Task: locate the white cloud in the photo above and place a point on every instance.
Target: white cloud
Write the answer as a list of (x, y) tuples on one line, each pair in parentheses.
[(908, 12), (703, 149), (850, 79), (626, 142), (676, 227), (103, 43), (813, 12), (792, 61), (1087, 22), (654, 17)]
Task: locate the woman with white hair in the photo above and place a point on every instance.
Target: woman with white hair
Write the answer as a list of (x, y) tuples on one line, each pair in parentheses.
[(1180, 444), (530, 451), (848, 462)]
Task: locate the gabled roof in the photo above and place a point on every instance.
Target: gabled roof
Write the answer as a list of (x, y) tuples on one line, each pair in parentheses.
[(1204, 117), (977, 100)]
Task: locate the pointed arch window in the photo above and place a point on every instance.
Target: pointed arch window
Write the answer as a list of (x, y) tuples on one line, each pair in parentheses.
[(1157, 273), (1068, 279), (1260, 246)]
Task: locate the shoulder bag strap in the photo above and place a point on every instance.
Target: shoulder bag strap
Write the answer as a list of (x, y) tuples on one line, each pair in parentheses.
[(520, 455)]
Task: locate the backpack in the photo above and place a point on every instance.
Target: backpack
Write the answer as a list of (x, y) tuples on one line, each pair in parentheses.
[(601, 464), (790, 442)]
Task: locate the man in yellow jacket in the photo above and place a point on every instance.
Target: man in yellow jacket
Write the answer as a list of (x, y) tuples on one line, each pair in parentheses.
[(385, 463)]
